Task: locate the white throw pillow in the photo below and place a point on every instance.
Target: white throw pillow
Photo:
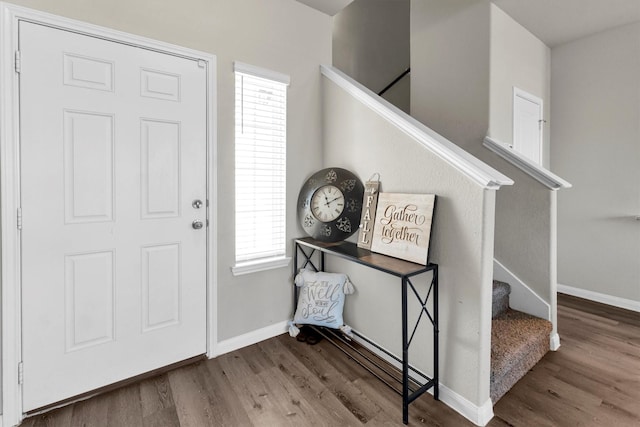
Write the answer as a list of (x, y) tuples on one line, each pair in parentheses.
[(321, 298)]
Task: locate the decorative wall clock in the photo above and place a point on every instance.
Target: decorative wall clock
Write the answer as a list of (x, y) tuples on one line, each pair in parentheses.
[(330, 204)]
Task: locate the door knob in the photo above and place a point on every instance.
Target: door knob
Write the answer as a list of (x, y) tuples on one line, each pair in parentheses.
[(197, 224), (197, 204)]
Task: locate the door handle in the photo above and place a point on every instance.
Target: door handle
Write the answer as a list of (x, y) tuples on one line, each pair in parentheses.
[(197, 224)]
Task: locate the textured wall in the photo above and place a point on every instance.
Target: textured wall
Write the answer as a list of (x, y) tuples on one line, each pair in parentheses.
[(525, 241), (371, 45), (518, 59), (595, 112), (466, 56), (525, 213), (358, 139), (450, 47)]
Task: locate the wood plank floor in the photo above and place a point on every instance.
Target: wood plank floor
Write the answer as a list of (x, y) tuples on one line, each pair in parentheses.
[(593, 380)]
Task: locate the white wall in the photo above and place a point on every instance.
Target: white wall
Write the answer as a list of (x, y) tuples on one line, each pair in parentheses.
[(525, 212), (400, 94), (282, 35), (461, 244), (595, 112), (518, 59), (450, 55), (371, 45), (525, 240), (466, 57), (450, 47)]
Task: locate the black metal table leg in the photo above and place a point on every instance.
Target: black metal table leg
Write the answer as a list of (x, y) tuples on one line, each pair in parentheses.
[(436, 334), (405, 354)]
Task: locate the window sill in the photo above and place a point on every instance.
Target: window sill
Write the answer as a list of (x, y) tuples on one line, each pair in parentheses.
[(261, 265)]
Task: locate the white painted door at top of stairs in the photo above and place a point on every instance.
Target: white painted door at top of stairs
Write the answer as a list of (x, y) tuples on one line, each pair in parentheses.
[(113, 154), (527, 125)]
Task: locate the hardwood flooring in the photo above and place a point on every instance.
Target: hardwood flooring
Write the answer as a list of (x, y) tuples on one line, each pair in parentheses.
[(592, 380)]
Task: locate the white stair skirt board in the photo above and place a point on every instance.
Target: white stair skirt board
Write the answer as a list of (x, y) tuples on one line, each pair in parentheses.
[(624, 303), (523, 298), (479, 415), (250, 338)]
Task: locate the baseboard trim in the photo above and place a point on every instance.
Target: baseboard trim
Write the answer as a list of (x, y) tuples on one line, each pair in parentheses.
[(624, 303), (250, 338), (479, 415), (554, 342)]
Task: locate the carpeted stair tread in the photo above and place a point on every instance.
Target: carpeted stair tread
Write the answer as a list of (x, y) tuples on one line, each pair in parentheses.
[(518, 342), (501, 292)]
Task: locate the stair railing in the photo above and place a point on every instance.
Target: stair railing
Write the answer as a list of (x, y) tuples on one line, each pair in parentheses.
[(396, 80)]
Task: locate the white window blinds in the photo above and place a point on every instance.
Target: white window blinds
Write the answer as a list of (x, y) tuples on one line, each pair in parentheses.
[(260, 148)]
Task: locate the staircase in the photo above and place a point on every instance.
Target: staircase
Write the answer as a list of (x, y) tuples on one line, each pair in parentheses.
[(518, 342)]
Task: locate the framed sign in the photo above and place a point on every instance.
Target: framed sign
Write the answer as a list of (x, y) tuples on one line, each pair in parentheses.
[(402, 226)]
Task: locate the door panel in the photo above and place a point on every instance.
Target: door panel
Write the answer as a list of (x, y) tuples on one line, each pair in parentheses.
[(160, 169), (527, 129), (88, 147), (161, 286), (89, 299), (113, 152)]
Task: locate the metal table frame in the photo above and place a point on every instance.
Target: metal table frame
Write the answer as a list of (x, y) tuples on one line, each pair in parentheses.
[(412, 387)]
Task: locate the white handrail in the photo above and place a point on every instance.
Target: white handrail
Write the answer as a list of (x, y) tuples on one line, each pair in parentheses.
[(537, 172), (474, 168)]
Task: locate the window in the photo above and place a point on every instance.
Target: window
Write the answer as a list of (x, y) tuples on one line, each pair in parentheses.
[(260, 148)]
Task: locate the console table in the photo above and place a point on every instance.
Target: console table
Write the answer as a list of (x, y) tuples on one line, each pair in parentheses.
[(413, 383)]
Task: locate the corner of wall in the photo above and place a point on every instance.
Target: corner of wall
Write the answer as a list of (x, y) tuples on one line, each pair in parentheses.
[(479, 415), (250, 338), (554, 342)]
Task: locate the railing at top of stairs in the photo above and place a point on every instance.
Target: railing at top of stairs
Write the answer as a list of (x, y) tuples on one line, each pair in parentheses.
[(396, 80)]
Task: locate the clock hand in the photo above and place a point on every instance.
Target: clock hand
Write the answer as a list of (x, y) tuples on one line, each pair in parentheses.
[(337, 198)]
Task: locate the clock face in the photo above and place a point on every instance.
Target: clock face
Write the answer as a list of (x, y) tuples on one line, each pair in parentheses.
[(327, 203), (330, 204)]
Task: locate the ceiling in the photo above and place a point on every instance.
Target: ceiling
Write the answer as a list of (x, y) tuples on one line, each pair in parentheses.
[(560, 21), (552, 21), (330, 7)]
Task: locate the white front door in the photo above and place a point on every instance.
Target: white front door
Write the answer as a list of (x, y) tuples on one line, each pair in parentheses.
[(113, 156), (527, 125)]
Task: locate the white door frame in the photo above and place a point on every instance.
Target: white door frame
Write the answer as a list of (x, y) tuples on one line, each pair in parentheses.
[(11, 345), (519, 93)]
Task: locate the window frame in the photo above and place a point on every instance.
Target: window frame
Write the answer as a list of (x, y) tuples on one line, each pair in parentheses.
[(246, 266)]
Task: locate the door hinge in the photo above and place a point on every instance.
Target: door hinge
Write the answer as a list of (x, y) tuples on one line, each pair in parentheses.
[(18, 61), (19, 219), (20, 373)]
